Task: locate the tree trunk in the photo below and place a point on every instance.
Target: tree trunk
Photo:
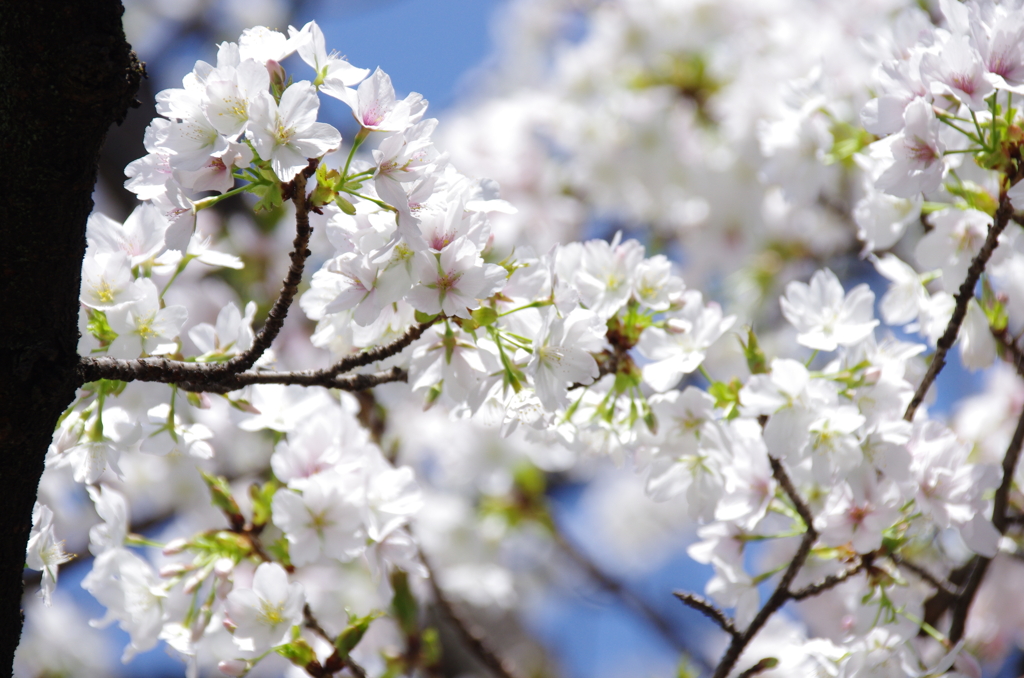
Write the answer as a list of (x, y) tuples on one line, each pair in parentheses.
[(66, 74)]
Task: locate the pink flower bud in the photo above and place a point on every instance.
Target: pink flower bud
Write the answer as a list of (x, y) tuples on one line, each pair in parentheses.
[(193, 582), (224, 587), (223, 568), (233, 667), (175, 546), (277, 74), (175, 570)]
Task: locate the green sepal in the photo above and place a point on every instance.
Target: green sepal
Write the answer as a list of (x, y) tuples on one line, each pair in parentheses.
[(346, 207), (628, 377), (298, 652), (433, 394), (484, 316), (107, 387), (756, 361), (727, 396), (220, 495), (242, 404), (650, 419), (354, 632), (321, 196), (99, 328)]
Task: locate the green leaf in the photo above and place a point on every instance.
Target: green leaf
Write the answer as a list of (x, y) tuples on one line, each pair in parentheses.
[(422, 317), (262, 496), (354, 632), (470, 325), (847, 141), (270, 197), (756, 361), (530, 481), (975, 196), (220, 494), (403, 604), (222, 544), (279, 550)]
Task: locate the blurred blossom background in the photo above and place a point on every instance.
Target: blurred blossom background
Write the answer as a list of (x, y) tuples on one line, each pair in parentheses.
[(720, 133)]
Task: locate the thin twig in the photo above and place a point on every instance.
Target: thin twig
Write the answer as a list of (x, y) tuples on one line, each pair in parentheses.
[(980, 563), (963, 296), (787, 486), (708, 610), (470, 635), (617, 589), (379, 352), (830, 581), (176, 371), (1011, 351), (781, 594), (300, 252), (760, 667), (938, 583), (313, 625)]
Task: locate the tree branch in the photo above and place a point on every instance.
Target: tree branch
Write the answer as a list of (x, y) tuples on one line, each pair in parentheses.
[(979, 564), (781, 593), (470, 635), (354, 382), (1011, 351), (180, 373), (617, 589), (831, 580), (939, 584), (176, 371), (708, 610), (963, 296), (379, 352)]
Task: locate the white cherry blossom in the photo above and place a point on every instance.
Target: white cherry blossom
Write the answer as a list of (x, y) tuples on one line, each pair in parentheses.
[(263, 616), (824, 316), (287, 133)]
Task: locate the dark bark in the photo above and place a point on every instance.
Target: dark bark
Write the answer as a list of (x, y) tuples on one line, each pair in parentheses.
[(66, 74)]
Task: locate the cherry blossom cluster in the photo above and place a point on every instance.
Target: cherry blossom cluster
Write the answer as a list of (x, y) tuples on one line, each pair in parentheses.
[(946, 96)]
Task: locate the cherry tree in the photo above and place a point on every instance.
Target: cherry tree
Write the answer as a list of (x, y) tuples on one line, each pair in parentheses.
[(313, 509)]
